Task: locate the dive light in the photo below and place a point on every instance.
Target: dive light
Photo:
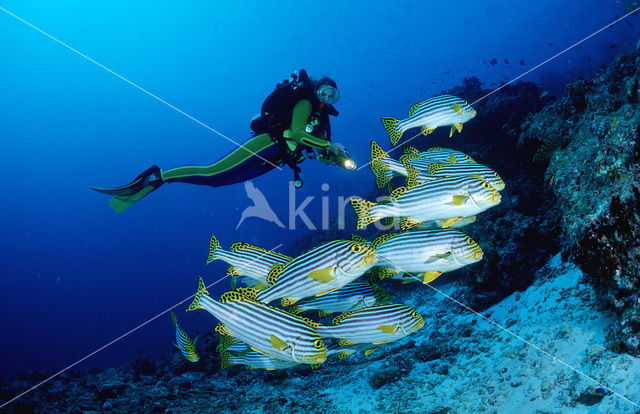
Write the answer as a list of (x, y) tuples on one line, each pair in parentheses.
[(342, 158)]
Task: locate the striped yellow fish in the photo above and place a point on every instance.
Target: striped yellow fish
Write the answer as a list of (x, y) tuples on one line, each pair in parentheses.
[(246, 259), (353, 296), (438, 111), (444, 198), (438, 155), (426, 253), (385, 168), (322, 269), (271, 331), (186, 346), (435, 171), (377, 325)]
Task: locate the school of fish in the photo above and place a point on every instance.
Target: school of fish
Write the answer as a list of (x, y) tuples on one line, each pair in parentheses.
[(266, 322)]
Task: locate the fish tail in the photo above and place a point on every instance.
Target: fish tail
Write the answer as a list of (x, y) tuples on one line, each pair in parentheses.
[(224, 359), (214, 245), (391, 124), (362, 208), (174, 319), (294, 310), (380, 170), (195, 304)]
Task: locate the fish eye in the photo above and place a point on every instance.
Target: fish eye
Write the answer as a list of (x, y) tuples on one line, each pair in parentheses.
[(356, 248), (318, 343), (415, 314), (486, 185), (469, 241)]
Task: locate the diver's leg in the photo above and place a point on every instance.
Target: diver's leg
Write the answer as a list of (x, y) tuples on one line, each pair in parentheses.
[(257, 156), (126, 195), (240, 165)]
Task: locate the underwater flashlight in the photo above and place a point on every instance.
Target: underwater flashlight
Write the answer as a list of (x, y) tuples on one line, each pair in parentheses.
[(349, 164), (341, 157)]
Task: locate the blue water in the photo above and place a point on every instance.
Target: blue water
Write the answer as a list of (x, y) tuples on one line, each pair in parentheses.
[(75, 275)]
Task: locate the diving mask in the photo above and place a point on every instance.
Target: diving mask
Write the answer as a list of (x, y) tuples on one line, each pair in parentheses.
[(328, 94)]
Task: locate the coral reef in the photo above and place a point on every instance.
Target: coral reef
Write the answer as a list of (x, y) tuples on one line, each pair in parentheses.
[(458, 363), (588, 144)]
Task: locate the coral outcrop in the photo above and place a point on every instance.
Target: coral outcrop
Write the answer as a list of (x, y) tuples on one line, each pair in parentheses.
[(588, 144)]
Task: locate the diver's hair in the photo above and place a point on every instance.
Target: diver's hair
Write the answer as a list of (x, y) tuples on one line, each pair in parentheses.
[(324, 81)]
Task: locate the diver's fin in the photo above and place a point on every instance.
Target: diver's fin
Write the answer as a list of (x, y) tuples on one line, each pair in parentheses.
[(127, 195)]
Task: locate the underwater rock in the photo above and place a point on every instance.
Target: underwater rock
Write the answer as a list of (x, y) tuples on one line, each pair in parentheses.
[(588, 143), (180, 382), (385, 376), (143, 365)]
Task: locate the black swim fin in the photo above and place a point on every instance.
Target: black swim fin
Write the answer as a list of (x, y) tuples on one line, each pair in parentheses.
[(127, 195)]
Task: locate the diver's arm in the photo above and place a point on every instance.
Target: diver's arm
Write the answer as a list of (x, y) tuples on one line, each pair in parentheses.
[(301, 113)]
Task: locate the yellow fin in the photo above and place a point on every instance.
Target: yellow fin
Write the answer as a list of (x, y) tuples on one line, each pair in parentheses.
[(448, 222), (214, 245), (278, 343), (409, 150), (381, 342), (390, 124), (426, 130), (344, 354), (222, 330), (274, 273), (358, 239), (377, 166), (344, 342), (433, 168), (362, 207), (457, 126), (430, 276), (412, 173), (459, 200), (370, 350), (233, 271), (452, 159), (456, 108), (288, 301), (323, 312), (195, 304), (322, 275), (406, 223), (381, 239), (413, 109), (388, 329), (294, 310), (398, 192)]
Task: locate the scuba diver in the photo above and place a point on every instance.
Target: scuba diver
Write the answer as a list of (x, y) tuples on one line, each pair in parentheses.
[(294, 118)]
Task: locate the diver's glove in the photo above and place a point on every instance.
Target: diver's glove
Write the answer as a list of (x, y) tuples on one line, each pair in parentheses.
[(338, 155)]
